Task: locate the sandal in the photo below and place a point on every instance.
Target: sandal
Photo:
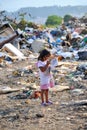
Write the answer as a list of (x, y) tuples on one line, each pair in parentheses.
[(49, 103), (43, 104)]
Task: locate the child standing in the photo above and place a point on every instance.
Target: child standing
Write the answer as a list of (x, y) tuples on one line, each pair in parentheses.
[(45, 75)]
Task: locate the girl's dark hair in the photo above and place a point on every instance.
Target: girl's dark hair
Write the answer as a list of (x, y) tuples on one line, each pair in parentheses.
[(43, 53)]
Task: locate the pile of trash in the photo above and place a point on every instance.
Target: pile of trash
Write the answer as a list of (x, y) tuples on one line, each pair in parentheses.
[(67, 42), (19, 81)]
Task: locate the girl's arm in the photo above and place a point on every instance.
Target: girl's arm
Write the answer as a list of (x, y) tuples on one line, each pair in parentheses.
[(45, 67)]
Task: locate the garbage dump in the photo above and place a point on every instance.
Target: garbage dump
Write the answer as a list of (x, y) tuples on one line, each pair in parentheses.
[(20, 94)]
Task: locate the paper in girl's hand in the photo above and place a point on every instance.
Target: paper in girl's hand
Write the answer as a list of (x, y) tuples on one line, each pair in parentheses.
[(54, 63)]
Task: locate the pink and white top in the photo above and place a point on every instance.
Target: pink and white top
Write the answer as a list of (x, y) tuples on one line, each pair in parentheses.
[(44, 76)]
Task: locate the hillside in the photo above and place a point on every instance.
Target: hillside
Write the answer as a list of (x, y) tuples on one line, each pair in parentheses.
[(41, 13)]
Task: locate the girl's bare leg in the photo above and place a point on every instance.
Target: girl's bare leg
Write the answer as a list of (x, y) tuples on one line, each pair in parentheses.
[(42, 96), (46, 95)]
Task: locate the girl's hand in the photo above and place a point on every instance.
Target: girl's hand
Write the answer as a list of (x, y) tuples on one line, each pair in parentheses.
[(53, 56), (48, 62)]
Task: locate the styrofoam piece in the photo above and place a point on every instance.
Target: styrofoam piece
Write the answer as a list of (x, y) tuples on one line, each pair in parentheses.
[(14, 50)]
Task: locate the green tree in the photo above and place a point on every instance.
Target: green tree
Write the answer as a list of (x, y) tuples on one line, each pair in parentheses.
[(53, 20), (67, 18), (22, 24), (22, 15)]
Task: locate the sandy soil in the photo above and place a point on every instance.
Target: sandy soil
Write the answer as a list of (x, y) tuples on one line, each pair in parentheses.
[(28, 114)]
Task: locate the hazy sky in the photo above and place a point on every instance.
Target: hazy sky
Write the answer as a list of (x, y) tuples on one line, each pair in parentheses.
[(13, 5)]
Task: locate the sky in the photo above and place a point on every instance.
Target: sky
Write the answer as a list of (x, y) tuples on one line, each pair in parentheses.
[(14, 5)]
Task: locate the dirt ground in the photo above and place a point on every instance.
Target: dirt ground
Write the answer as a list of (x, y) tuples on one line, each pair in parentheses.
[(28, 114)]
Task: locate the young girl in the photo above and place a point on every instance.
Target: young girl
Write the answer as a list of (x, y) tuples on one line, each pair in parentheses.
[(45, 75)]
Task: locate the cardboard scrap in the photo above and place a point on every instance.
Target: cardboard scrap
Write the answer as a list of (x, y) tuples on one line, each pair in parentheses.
[(6, 89), (59, 88)]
